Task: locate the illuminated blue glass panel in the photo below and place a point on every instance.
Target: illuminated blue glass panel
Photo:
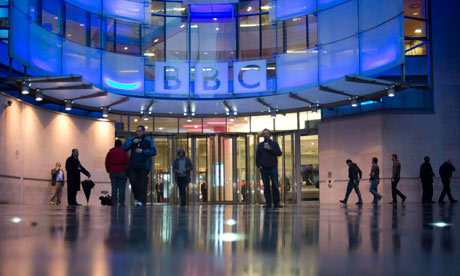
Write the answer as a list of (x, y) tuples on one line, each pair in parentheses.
[(19, 36), (45, 51), (339, 59), (123, 73), (137, 11), (22, 5), (373, 13), (297, 70), (89, 5), (324, 4), (382, 47), (83, 61), (338, 22), (285, 9)]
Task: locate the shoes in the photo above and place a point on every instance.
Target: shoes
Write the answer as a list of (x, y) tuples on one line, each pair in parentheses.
[(267, 206), (138, 203), (375, 202), (183, 205), (393, 202), (359, 203), (278, 206), (404, 199), (343, 201), (442, 202)]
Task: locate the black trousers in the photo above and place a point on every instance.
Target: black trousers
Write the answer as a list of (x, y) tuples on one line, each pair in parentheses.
[(427, 187), (182, 183), (160, 196), (267, 174), (138, 179), (71, 197), (395, 191), (446, 190)]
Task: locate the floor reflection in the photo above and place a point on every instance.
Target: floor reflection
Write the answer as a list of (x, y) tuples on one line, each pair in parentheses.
[(230, 240)]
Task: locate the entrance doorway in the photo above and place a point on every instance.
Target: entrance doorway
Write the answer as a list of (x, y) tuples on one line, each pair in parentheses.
[(225, 171)]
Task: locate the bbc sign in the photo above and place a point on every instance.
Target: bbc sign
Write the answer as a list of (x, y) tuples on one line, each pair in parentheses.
[(210, 78)]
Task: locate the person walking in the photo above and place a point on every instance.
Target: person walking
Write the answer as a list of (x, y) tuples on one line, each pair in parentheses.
[(116, 162), (57, 182), (395, 176), (74, 168), (375, 180), (354, 175), (159, 189), (142, 150), (426, 176), (182, 167), (267, 161), (445, 171)]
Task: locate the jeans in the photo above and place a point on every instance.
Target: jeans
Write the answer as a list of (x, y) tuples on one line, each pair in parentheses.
[(446, 190), (118, 180), (182, 183), (352, 185), (395, 191), (138, 179), (272, 173), (56, 193), (373, 189)]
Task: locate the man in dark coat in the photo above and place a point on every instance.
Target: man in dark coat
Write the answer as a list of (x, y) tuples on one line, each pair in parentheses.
[(142, 150), (354, 175), (395, 176), (426, 175), (267, 161), (182, 167), (445, 171), (74, 168)]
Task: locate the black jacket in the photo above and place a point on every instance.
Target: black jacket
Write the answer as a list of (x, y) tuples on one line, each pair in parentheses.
[(446, 169), (354, 172), (188, 168), (268, 158), (426, 172), (396, 170), (74, 168)]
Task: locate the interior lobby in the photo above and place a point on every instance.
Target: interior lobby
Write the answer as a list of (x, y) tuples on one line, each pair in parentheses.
[(331, 80)]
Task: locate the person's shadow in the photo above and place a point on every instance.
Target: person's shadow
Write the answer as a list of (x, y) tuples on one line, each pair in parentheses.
[(374, 228), (353, 223), (395, 221), (427, 239), (447, 239)]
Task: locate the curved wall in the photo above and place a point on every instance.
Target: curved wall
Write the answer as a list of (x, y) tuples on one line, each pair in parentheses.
[(354, 37), (32, 140)]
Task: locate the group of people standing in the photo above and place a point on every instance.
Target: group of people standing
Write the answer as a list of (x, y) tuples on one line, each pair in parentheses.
[(426, 177)]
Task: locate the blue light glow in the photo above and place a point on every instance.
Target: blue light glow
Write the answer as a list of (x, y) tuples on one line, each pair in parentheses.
[(124, 86)]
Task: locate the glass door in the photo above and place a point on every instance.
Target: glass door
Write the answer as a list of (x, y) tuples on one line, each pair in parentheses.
[(308, 167), (161, 176)]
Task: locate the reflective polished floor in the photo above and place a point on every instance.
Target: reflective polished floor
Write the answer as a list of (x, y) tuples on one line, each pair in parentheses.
[(312, 239)]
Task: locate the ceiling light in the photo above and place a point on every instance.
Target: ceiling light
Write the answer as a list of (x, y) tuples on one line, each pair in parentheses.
[(126, 48), (232, 117), (135, 120), (314, 108), (145, 117), (273, 113), (215, 19), (149, 54), (354, 102), (156, 40), (38, 95), (249, 8), (391, 92), (182, 26), (160, 128), (415, 13), (25, 88), (105, 112), (217, 28), (68, 105), (418, 31), (82, 25), (189, 118)]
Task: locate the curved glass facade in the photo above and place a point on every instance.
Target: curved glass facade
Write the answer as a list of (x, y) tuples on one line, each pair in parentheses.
[(174, 50)]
